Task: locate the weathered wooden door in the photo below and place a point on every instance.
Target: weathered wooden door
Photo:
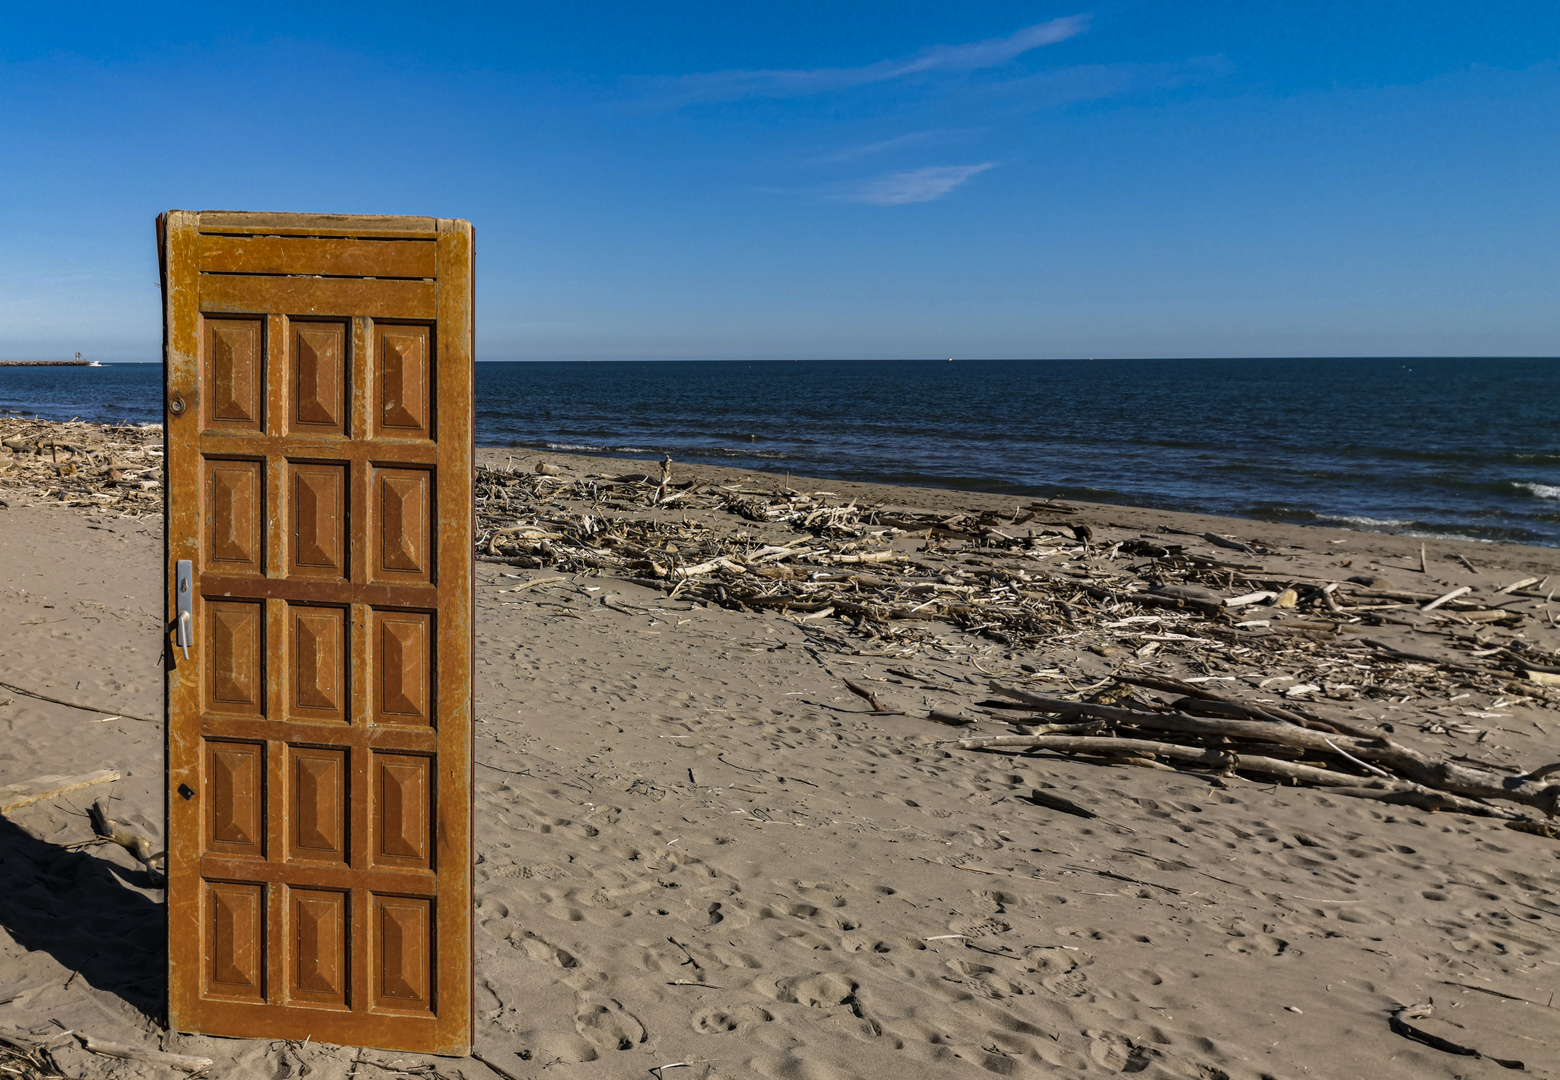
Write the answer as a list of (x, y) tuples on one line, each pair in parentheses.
[(318, 413)]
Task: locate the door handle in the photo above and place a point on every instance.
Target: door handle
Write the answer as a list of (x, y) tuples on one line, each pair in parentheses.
[(184, 606)]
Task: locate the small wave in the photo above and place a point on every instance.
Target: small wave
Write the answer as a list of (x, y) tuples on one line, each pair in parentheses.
[(1366, 522), (1543, 491), (585, 448), (726, 452)]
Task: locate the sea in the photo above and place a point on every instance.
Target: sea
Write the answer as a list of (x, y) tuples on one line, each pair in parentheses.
[(1444, 447)]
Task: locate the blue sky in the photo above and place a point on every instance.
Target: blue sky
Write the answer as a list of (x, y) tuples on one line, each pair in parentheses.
[(746, 180)]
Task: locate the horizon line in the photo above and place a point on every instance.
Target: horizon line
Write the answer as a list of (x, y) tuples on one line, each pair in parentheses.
[(910, 359)]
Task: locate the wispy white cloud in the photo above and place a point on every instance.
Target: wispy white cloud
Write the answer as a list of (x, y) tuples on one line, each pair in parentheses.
[(898, 142), (732, 85), (914, 186), (883, 146)]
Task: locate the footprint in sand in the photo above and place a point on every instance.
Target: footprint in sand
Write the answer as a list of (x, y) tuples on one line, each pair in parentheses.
[(821, 991), (541, 951), (1118, 1052), (1259, 945), (606, 1026), (717, 1022)]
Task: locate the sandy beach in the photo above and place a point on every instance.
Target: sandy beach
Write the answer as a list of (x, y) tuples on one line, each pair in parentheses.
[(700, 855)]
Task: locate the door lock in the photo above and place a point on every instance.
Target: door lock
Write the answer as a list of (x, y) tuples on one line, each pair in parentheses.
[(184, 606)]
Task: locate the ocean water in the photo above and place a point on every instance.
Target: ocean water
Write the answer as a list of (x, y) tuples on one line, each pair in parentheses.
[(1443, 447)]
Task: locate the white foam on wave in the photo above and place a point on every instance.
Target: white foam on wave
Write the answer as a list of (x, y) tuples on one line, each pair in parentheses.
[(1366, 522), (1421, 535), (586, 448), (1543, 491)]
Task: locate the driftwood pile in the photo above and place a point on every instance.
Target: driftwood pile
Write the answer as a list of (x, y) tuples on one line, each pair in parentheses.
[(27, 1056), (80, 464), (877, 581), (1033, 579), (1187, 725)]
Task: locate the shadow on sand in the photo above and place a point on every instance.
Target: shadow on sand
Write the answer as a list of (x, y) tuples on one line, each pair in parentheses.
[(74, 906)]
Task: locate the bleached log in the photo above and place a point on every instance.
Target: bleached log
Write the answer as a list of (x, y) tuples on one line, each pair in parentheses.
[(1408, 763), (1453, 595), (42, 788), (183, 1062), (1339, 783)]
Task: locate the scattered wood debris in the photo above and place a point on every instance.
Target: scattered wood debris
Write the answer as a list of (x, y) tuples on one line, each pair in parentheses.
[(1036, 578), (1300, 749), (117, 467), (28, 1057), (873, 579)]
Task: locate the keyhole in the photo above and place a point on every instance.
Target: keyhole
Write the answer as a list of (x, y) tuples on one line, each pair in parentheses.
[(187, 791)]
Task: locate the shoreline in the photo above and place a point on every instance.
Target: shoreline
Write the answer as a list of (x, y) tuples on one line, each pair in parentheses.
[(1345, 523), (1142, 516)]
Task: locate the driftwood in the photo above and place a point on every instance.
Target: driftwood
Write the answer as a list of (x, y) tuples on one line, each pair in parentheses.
[(138, 846), (1056, 802), (1399, 1023), (73, 705), (99, 467), (1176, 686), (883, 575), (1394, 769), (1205, 704), (1399, 791), (42, 788), (27, 1057), (183, 1062), (865, 694)]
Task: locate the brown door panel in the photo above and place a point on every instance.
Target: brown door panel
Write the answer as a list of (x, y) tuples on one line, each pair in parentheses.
[(319, 453)]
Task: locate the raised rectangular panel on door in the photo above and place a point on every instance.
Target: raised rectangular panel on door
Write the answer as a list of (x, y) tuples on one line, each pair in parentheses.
[(235, 940), (319, 937), (402, 541), (402, 959), (403, 811), (235, 798), (317, 661), (317, 495), (403, 663), (234, 390), (235, 508), (404, 380), (319, 378), (317, 806), (235, 656), (319, 449)]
